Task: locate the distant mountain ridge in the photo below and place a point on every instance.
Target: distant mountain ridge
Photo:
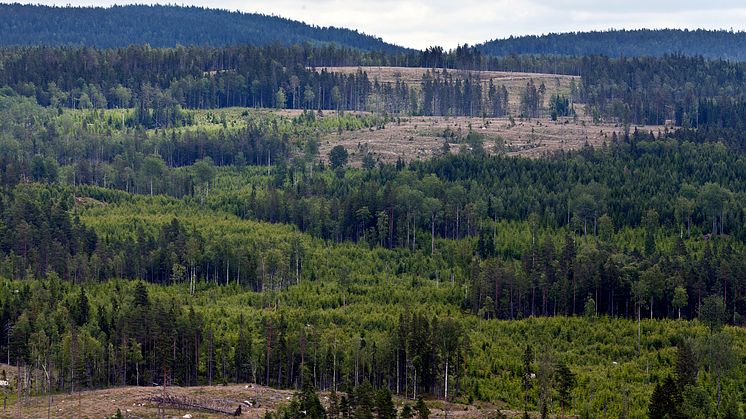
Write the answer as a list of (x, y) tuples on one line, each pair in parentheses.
[(170, 25), (165, 26), (712, 44)]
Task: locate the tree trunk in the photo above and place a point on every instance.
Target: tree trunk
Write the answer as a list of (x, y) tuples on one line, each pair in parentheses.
[(574, 294), (651, 308), (719, 390), (18, 381), (446, 381), (432, 236), (639, 326), (414, 234), (334, 370), (414, 390), (398, 371)]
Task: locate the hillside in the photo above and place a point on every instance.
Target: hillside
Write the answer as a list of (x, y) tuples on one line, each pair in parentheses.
[(709, 44), (324, 232), (422, 137), (164, 26)]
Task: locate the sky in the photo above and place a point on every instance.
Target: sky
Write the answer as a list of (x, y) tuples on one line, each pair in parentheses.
[(419, 23)]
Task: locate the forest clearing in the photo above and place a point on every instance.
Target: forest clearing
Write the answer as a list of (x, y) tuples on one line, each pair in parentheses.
[(424, 137), (514, 81), (290, 221)]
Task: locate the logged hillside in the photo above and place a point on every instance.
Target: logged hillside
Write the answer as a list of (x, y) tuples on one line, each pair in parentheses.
[(165, 26), (617, 43), (202, 402), (297, 227)]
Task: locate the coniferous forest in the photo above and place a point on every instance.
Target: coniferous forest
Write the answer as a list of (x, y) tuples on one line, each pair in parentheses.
[(712, 44), (189, 216), (165, 26)]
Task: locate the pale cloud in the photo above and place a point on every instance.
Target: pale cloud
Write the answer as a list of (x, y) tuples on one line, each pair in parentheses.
[(419, 23)]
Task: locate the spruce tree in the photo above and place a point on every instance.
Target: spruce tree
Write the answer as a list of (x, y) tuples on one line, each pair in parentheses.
[(423, 412), (81, 309), (345, 410), (384, 405), (686, 365), (363, 401), (309, 400), (565, 383), (528, 357), (665, 401), (141, 295)]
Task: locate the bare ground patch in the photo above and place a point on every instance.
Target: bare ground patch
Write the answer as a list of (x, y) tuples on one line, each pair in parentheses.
[(514, 82), (136, 402), (255, 401), (421, 138)]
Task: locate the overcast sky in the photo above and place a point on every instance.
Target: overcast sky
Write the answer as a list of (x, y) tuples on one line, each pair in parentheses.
[(420, 23)]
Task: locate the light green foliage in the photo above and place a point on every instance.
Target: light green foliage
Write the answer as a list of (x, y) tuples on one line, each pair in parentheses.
[(602, 353), (438, 256)]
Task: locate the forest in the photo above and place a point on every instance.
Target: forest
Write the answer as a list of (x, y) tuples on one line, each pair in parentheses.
[(168, 217), (687, 92), (711, 44), (166, 26)]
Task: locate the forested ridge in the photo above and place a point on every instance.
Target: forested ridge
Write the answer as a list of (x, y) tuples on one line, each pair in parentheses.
[(165, 26), (165, 218), (171, 25), (686, 92), (712, 44)]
